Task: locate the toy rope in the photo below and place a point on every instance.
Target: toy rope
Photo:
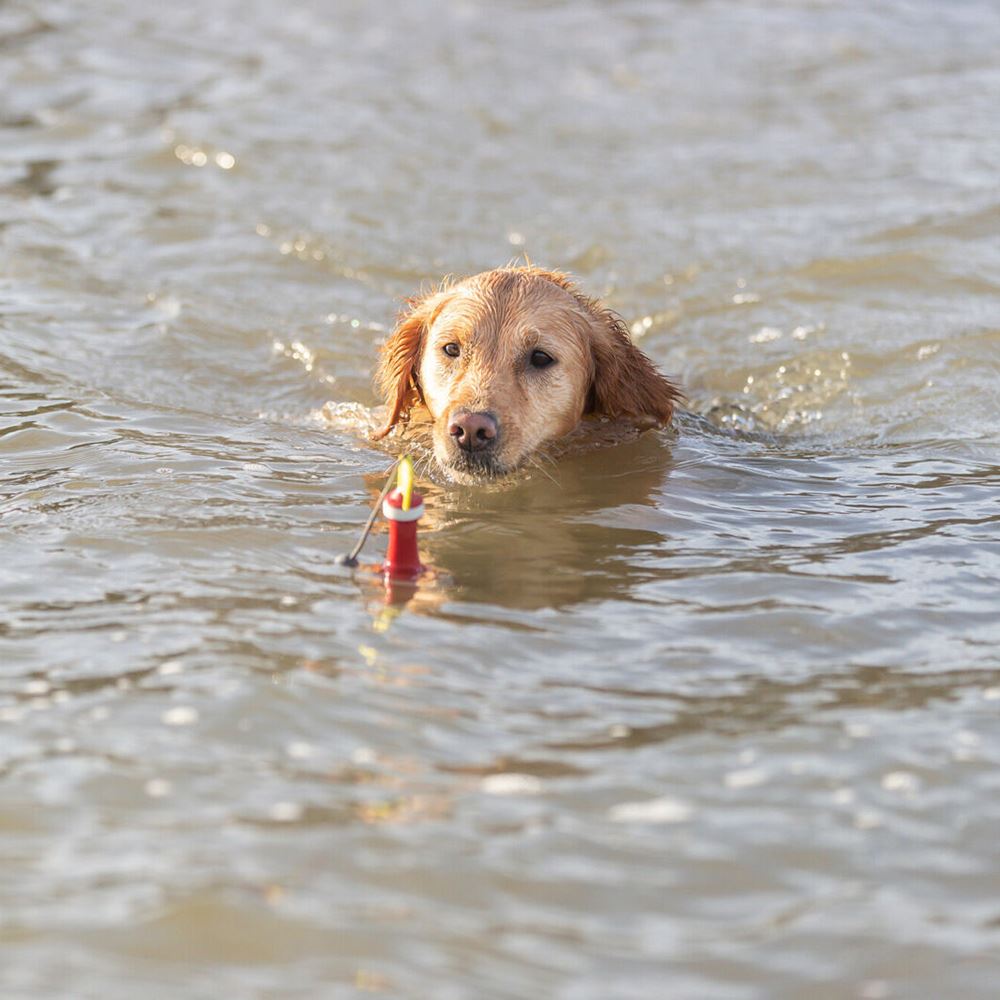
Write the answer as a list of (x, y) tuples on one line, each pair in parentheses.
[(351, 558)]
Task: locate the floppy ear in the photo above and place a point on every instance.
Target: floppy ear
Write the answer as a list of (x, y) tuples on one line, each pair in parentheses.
[(395, 376), (626, 383)]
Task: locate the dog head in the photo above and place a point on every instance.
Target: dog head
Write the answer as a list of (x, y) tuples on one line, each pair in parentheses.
[(508, 360)]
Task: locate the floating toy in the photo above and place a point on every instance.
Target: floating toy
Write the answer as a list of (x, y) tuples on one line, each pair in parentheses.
[(402, 508)]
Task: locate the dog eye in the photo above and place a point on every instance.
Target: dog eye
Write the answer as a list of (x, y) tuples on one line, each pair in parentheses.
[(452, 350), (539, 359)]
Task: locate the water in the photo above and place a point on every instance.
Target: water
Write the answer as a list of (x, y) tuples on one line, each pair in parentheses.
[(712, 715)]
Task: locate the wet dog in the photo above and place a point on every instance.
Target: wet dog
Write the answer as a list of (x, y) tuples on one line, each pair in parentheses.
[(507, 361)]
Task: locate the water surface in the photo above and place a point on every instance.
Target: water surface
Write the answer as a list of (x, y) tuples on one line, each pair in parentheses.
[(712, 714)]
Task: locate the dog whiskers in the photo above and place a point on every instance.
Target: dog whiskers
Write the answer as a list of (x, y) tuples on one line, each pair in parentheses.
[(423, 465), (545, 472), (551, 459)]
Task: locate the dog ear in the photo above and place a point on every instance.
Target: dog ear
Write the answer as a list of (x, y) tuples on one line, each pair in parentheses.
[(395, 379), (626, 383), (395, 375)]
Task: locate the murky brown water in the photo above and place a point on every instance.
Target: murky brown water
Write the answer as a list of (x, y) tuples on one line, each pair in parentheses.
[(712, 715)]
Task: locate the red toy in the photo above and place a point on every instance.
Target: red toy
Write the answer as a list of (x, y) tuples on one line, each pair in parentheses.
[(402, 508)]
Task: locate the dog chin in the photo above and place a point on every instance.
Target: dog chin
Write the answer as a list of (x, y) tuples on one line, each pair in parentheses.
[(472, 468)]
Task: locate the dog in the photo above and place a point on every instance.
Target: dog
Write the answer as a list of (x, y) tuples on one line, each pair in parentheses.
[(509, 360)]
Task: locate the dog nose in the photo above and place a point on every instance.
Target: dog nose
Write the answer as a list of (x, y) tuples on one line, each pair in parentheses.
[(473, 431)]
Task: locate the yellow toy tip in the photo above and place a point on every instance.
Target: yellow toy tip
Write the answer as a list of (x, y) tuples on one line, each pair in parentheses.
[(404, 480)]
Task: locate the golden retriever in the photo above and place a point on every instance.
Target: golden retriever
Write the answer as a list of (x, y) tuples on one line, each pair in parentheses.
[(509, 360)]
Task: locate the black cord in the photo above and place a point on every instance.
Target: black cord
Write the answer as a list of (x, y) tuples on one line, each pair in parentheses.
[(351, 558)]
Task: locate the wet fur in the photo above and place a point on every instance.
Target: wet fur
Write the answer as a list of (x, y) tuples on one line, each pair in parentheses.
[(497, 316)]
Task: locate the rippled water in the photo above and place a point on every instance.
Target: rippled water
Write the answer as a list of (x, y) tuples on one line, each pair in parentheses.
[(707, 715)]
